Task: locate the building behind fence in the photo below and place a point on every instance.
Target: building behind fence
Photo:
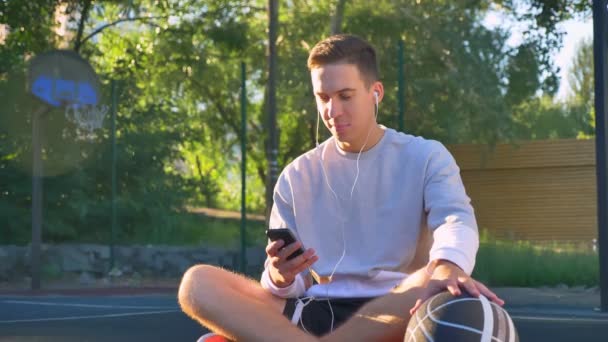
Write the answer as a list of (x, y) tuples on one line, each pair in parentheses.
[(536, 190)]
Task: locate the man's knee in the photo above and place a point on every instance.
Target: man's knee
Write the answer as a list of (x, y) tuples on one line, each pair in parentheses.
[(196, 282)]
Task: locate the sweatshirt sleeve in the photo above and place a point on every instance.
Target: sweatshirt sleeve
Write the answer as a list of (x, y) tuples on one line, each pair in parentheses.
[(296, 289), (282, 215), (449, 212)]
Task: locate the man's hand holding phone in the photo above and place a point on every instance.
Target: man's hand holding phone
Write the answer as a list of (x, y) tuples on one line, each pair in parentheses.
[(287, 257)]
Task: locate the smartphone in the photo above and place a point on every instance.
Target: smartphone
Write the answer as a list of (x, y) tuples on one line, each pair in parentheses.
[(287, 236)]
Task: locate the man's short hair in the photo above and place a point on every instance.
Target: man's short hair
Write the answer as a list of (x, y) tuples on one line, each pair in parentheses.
[(348, 49)]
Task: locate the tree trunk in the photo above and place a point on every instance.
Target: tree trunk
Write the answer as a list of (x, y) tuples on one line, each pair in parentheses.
[(336, 19), (84, 15), (204, 184)]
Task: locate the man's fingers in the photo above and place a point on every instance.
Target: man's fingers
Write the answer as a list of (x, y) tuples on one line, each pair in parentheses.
[(289, 249), (273, 248), (489, 294), (275, 262), (300, 259), (469, 285), (497, 300), (306, 264), (416, 306), (453, 288), (298, 264)]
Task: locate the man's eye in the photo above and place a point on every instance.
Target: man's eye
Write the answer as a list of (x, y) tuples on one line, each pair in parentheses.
[(324, 98), (344, 97)]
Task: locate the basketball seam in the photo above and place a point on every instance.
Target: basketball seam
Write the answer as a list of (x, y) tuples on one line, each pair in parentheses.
[(512, 331), (488, 319), (501, 326), (422, 327), (418, 325), (412, 336)]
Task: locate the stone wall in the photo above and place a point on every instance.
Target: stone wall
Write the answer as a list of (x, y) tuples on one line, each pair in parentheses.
[(94, 260)]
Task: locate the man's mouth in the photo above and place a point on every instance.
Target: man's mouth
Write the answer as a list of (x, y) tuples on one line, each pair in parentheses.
[(341, 127)]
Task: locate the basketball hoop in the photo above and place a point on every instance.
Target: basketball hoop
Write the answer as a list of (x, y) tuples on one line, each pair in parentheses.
[(88, 118), (64, 80)]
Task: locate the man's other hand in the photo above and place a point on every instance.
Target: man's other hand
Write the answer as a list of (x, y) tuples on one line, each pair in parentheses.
[(444, 275)]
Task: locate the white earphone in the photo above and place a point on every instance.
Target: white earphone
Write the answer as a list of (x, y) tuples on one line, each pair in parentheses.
[(376, 97)]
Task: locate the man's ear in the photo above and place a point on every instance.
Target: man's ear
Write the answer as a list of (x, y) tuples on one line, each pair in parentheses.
[(378, 88)]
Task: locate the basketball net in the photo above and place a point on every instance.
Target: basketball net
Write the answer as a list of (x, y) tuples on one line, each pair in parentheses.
[(88, 119)]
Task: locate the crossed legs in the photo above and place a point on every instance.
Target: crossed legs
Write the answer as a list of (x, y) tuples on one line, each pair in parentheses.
[(240, 309), (235, 306)]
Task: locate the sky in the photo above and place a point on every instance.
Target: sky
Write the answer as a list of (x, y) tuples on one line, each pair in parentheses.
[(575, 30)]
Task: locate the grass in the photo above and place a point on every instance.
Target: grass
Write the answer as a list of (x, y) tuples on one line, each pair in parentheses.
[(525, 263), (196, 229), (499, 262)]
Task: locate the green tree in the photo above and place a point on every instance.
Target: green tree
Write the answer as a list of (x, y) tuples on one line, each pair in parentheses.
[(177, 64), (581, 99), (543, 118)]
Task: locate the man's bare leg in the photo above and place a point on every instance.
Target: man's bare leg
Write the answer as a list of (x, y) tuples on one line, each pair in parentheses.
[(235, 306), (383, 319), (386, 318)]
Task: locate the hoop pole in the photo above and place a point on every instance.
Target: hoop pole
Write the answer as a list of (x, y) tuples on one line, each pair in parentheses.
[(243, 263), (37, 187), (600, 52), (113, 232)]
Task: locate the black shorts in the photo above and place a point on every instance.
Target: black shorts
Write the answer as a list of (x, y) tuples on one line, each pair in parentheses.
[(316, 317)]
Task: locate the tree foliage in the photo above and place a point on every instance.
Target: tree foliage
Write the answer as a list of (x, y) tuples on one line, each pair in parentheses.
[(581, 99), (176, 64)]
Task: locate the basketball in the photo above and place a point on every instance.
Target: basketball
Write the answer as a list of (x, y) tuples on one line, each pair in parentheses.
[(444, 317)]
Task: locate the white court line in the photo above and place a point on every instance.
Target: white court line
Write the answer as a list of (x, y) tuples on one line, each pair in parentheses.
[(95, 306), (560, 319), (75, 318)]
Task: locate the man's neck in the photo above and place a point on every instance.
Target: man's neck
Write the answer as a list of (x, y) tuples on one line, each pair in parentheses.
[(375, 135)]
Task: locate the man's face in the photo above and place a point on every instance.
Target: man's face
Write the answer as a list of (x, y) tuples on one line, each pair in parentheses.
[(345, 103)]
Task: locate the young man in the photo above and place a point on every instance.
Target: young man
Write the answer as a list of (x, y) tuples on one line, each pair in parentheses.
[(360, 202)]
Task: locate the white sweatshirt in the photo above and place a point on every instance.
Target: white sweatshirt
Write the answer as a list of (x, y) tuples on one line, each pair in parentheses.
[(405, 184)]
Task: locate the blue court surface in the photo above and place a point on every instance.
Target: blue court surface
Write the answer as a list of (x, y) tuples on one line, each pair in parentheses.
[(157, 317), (95, 318)]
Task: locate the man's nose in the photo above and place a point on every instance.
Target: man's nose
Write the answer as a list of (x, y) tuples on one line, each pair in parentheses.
[(334, 109)]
